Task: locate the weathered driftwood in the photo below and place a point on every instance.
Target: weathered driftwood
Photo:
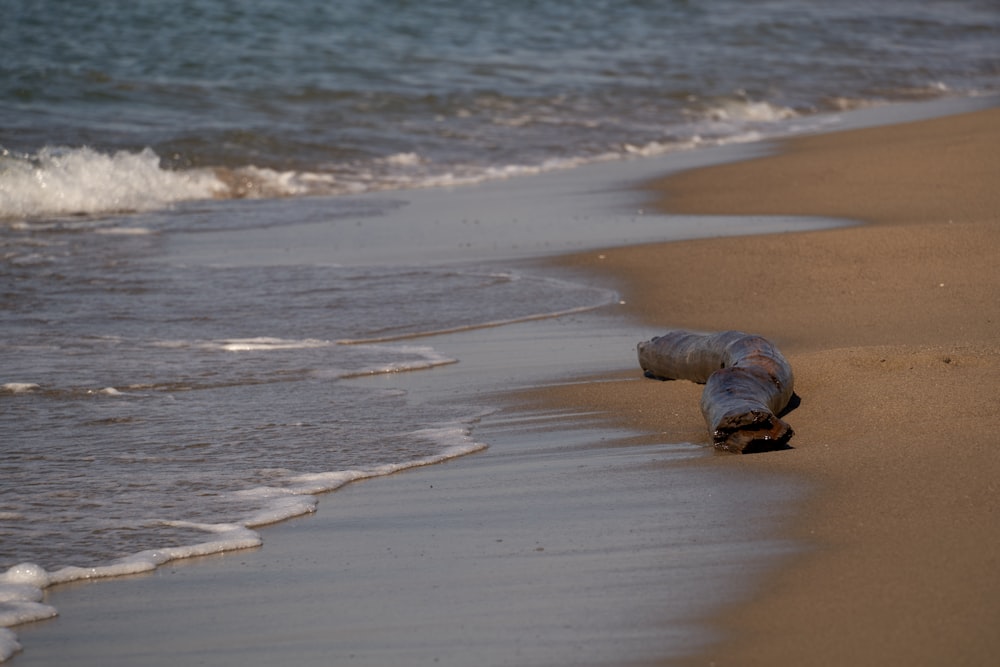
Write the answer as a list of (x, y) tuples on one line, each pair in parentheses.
[(747, 384)]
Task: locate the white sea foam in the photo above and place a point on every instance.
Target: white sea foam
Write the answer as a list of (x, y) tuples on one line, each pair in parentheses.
[(20, 602), (428, 358), (390, 368), (299, 495), (226, 537), (401, 171), (403, 160), (745, 110), (279, 504), (25, 574), (477, 175), (60, 181), (21, 586), (267, 344), (124, 231), (20, 592), (14, 611), (19, 387), (456, 440), (8, 644), (253, 182), (256, 344), (66, 181), (398, 367)]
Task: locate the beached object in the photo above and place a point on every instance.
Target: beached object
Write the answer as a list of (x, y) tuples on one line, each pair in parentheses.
[(747, 384)]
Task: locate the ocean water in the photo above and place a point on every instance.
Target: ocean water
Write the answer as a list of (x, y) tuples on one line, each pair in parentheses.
[(122, 106), (161, 396)]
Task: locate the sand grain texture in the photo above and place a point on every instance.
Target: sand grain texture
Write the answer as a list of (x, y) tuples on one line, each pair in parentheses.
[(893, 330), (576, 537)]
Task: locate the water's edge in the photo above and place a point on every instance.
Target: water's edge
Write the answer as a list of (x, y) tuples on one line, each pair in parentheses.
[(493, 359)]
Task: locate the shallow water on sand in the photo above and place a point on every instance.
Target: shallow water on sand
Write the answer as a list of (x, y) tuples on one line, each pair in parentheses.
[(287, 198)]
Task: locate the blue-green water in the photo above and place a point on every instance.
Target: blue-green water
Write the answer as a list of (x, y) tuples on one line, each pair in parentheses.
[(269, 97), (200, 200)]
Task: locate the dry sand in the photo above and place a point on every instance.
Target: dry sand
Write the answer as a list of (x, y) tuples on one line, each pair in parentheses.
[(543, 551), (893, 330)]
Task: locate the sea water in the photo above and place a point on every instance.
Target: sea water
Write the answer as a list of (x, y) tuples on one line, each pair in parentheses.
[(122, 106), (210, 227)]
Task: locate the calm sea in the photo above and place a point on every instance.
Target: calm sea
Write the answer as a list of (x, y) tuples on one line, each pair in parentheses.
[(117, 106), (150, 396)]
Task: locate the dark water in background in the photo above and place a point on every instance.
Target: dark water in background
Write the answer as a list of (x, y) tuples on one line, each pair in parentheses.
[(284, 98), (146, 401)]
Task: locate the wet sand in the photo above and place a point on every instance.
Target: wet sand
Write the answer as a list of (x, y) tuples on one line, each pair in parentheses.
[(569, 541), (893, 330), (584, 536)]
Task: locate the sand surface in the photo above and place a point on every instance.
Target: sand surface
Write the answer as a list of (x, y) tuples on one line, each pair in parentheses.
[(569, 541), (583, 535), (893, 331)]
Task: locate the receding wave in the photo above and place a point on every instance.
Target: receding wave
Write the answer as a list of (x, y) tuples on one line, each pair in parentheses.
[(60, 181), (22, 585), (533, 317)]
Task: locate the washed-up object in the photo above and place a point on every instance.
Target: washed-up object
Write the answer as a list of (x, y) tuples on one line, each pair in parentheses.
[(748, 383)]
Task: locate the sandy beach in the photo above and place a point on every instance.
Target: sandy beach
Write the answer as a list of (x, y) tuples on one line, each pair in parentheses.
[(319, 330), (892, 330), (595, 530)]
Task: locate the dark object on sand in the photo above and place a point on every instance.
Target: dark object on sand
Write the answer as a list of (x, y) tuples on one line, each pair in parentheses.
[(747, 384)]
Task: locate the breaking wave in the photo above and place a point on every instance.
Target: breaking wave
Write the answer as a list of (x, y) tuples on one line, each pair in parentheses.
[(60, 181)]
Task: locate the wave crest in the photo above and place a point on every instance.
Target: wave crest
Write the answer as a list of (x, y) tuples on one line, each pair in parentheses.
[(59, 181), (63, 181)]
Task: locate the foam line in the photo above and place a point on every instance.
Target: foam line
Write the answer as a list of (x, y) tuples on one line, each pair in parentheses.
[(469, 327)]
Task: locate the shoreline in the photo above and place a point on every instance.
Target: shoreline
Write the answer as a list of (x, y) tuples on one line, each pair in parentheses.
[(891, 329), (481, 560)]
